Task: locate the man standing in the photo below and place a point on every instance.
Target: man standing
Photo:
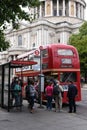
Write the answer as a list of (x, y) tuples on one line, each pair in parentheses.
[(57, 92), (72, 92)]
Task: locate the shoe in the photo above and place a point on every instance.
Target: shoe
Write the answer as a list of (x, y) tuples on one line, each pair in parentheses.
[(56, 110), (74, 111), (69, 111), (50, 109), (32, 111), (60, 110)]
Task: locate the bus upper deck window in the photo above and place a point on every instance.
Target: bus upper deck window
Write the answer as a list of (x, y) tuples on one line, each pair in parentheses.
[(66, 76), (65, 52)]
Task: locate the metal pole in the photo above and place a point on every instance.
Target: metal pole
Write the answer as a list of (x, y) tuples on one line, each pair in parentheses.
[(40, 61), (40, 78)]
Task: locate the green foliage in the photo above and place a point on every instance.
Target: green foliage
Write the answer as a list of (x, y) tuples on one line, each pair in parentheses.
[(80, 42), (11, 12), (3, 43)]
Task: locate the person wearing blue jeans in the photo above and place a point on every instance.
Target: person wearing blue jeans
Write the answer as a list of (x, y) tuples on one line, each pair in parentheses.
[(49, 102), (49, 95)]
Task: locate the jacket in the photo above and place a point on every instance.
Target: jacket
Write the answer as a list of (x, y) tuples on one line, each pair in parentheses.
[(72, 91)]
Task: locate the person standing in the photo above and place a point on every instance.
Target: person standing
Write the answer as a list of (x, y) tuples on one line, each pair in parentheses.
[(71, 94), (12, 90), (21, 85), (49, 95), (17, 95), (32, 95), (57, 92)]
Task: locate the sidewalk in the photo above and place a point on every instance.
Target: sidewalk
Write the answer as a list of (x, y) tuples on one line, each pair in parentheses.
[(45, 120), (41, 120)]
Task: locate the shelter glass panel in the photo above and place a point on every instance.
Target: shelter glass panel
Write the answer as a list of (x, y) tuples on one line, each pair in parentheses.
[(0, 84), (6, 77)]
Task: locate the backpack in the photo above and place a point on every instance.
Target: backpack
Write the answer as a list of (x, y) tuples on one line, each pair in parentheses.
[(27, 91), (17, 89), (55, 90)]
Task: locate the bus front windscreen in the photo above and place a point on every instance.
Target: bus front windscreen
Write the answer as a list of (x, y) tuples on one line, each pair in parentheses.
[(66, 76)]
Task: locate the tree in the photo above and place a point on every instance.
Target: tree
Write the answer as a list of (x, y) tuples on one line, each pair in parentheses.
[(80, 42), (3, 43), (11, 12)]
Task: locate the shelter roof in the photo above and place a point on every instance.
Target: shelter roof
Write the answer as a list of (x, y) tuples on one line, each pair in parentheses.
[(21, 63)]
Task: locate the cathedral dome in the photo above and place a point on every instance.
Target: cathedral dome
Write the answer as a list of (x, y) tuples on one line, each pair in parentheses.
[(50, 9)]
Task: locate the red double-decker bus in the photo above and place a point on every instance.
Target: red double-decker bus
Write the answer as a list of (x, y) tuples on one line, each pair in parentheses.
[(61, 61)]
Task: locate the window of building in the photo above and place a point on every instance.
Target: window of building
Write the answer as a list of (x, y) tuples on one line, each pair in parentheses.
[(76, 9), (33, 45), (38, 12), (60, 12), (66, 7), (54, 7), (55, 12), (60, 7), (19, 40), (43, 8), (58, 40)]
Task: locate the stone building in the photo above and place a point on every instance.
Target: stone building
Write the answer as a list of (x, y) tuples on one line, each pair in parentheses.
[(55, 21)]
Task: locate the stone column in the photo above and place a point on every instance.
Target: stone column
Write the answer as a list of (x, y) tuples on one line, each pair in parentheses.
[(78, 10), (14, 57), (40, 11), (57, 7), (36, 13), (63, 7), (45, 8), (82, 12), (37, 38)]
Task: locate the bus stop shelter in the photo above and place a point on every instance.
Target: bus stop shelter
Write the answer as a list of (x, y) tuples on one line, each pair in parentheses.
[(6, 72)]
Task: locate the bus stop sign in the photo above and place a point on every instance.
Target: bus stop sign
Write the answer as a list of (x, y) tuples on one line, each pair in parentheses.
[(36, 52)]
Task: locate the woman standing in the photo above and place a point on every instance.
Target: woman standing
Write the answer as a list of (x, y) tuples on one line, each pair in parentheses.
[(49, 95)]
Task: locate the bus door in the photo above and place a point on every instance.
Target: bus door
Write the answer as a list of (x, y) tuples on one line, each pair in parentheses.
[(69, 76)]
